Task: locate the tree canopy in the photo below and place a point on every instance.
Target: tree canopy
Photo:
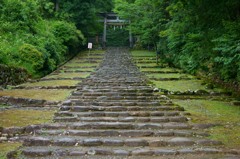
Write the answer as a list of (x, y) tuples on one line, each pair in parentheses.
[(196, 35), (38, 35)]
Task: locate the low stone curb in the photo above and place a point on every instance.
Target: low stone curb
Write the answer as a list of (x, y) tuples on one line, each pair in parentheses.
[(23, 102)]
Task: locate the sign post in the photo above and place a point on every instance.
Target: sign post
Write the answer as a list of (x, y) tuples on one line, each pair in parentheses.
[(90, 45)]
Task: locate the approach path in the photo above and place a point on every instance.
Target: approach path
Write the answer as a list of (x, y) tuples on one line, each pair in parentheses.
[(115, 114)]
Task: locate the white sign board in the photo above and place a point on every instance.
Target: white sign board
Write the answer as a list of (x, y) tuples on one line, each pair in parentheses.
[(90, 45)]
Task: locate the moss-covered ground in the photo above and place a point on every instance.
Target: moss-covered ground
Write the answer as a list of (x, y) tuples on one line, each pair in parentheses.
[(21, 118), (180, 85), (169, 75), (45, 94), (7, 147), (69, 75), (166, 69), (143, 53), (77, 69), (217, 112), (80, 65), (52, 83)]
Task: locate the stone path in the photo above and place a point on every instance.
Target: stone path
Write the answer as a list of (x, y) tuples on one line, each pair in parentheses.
[(115, 114)]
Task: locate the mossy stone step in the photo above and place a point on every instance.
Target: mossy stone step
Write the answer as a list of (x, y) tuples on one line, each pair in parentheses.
[(119, 114)]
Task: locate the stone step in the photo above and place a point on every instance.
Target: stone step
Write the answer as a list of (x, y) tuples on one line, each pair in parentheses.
[(117, 88), (118, 114), (126, 133), (118, 97), (121, 119), (76, 102), (118, 126), (67, 141), (129, 125), (126, 152), (117, 108), (110, 94)]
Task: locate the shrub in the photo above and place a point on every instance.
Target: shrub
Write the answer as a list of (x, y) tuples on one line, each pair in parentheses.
[(29, 55)]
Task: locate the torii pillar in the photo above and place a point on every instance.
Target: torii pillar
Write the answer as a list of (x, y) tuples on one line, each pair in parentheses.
[(105, 32)]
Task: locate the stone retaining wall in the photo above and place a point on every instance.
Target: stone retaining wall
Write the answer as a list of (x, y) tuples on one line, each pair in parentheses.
[(10, 75)]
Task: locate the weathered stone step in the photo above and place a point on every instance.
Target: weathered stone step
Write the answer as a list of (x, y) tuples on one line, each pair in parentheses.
[(125, 152), (120, 87), (118, 97), (126, 133), (110, 94), (130, 90), (116, 108), (129, 125), (67, 141), (102, 101), (119, 114), (121, 119), (118, 126), (100, 83), (113, 103)]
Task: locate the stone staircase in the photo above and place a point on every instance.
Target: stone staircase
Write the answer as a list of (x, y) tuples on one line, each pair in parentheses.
[(115, 114)]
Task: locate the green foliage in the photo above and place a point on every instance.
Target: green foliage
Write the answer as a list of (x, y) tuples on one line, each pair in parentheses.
[(117, 37), (84, 13), (32, 37), (227, 50), (31, 56), (193, 35)]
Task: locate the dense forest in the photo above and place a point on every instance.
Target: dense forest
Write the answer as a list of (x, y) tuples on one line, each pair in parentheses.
[(199, 36), (38, 35)]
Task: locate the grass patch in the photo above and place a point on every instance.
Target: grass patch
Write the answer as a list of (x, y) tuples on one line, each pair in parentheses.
[(4, 106), (45, 94), (52, 83), (143, 53), (169, 75), (161, 69), (207, 111), (81, 65), (21, 118), (69, 75), (181, 85), (78, 69), (147, 64), (7, 147)]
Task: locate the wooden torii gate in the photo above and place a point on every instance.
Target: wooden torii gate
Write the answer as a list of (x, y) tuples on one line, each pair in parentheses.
[(112, 19)]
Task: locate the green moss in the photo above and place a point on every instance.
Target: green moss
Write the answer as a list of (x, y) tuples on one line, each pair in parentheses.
[(147, 65), (52, 83), (69, 75), (229, 135), (7, 147), (81, 64), (215, 111), (161, 69), (45, 94), (181, 85), (143, 53), (169, 75), (207, 111), (78, 69), (21, 118)]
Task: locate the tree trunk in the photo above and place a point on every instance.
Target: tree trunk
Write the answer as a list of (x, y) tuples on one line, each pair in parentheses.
[(57, 5)]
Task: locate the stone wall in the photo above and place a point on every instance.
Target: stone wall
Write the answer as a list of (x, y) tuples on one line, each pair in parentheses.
[(10, 75)]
